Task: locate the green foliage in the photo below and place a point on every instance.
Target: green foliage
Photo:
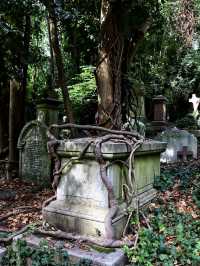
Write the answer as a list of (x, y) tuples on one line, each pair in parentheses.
[(174, 235), (164, 181), (188, 122), (153, 247), (196, 196), (83, 94), (83, 85), (168, 178), (20, 254), (164, 65)]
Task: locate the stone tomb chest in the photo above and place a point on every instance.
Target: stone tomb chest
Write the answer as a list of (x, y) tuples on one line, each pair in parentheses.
[(82, 199), (34, 164)]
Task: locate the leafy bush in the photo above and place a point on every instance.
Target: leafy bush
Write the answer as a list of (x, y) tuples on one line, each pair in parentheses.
[(173, 238), (164, 181), (20, 254), (188, 122), (83, 95), (196, 196)]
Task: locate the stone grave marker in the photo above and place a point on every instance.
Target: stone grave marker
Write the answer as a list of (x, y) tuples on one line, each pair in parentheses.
[(160, 115), (160, 108), (34, 163), (195, 102), (195, 116), (181, 145)]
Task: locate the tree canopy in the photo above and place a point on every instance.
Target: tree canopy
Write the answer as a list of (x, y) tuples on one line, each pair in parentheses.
[(70, 47)]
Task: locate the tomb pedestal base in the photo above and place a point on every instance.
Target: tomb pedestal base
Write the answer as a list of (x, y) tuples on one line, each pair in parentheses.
[(82, 199)]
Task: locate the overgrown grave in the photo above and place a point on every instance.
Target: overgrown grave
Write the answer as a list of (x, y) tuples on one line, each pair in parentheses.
[(124, 169), (95, 193), (168, 234)]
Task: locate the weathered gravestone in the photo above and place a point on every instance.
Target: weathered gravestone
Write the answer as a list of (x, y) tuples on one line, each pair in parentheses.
[(181, 145), (34, 164), (160, 114), (82, 203)]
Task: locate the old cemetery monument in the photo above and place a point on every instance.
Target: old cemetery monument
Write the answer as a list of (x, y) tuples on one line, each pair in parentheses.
[(34, 164), (97, 180), (97, 184), (195, 101), (181, 145), (159, 122)]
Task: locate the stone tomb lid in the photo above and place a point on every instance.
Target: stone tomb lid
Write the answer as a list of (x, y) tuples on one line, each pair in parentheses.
[(110, 147)]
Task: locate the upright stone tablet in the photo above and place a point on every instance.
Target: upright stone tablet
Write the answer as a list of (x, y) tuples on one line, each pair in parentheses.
[(34, 163)]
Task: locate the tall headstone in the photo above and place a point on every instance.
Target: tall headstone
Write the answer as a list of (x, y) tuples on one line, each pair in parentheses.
[(34, 165), (34, 162), (160, 115)]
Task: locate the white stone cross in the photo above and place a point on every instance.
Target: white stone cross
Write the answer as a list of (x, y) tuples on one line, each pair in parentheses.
[(195, 101)]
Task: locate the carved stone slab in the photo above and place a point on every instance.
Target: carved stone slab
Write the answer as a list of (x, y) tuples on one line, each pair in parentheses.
[(34, 160)]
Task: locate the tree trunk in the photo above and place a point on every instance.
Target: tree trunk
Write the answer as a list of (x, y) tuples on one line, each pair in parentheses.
[(27, 38), (21, 91), (116, 52), (1, 133), (52, 63), (12, 139), (2, 106), (130, 48), (59, 60), (108, 70), (4, 118)]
